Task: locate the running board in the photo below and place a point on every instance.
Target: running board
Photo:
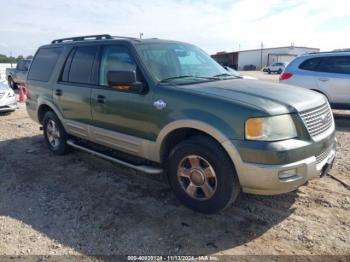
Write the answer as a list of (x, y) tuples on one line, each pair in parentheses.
[(142, 168)]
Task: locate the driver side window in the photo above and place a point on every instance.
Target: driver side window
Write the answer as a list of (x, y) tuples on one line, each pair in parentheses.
[(114, 58)]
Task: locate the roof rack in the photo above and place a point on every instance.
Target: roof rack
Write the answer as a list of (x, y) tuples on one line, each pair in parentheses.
[(82, 38), (327, 52), (126, 37)]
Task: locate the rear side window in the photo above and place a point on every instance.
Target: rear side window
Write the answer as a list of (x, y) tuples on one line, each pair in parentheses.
[(44, 63), (311, 64), (81, 65), (20, 65), (336, 64), (27, 65)]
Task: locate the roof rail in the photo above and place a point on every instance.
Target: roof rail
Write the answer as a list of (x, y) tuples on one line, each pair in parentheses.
[(126, 37), (333, 51), (82, 38)]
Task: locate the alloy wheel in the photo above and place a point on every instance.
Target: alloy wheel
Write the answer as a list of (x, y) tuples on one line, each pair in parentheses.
[(53, 133), (197, 177)]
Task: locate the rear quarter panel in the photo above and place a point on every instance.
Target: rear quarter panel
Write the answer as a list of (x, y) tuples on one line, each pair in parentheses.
[(301, 78)]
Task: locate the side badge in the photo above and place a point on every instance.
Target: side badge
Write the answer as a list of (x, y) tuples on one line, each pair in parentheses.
[(159, 104)]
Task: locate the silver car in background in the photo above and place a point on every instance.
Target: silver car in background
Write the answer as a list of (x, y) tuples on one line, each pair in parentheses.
[(326, 72), (8, 100)]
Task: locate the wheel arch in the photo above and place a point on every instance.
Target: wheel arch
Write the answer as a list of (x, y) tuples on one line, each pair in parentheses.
[(322, 93), (44, 107), (176, 131)]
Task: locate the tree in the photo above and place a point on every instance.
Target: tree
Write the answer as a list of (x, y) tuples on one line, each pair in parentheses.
[(20, 57)]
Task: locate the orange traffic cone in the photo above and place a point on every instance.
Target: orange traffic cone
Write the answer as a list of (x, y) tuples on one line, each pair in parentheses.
[(21, 95)]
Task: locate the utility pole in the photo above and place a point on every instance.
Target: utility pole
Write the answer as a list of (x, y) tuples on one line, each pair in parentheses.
[(141, 35), (261, 55)]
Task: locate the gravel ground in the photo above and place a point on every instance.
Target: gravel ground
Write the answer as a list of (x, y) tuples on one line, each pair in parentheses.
[(81, 205)]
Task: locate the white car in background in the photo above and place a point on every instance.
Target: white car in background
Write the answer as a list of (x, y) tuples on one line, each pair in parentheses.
[(327, 73), (8, 100), (236, 73), (276, 67)]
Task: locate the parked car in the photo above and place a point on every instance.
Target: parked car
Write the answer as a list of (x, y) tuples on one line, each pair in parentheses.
[(236, 73), (8, 101), (18, 75), (249, 68), (327, 73), (276, 68), (167, 107)]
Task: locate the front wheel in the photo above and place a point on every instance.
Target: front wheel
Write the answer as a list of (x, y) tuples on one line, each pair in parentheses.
[(54, 133), (202, 176), (269, 71), (279, 71)]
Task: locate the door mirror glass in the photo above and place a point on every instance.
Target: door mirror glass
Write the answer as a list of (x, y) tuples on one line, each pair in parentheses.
[(125, 80)]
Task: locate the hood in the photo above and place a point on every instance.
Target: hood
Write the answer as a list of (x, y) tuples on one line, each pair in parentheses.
[(272, 98), (4, 87), (249, 77)]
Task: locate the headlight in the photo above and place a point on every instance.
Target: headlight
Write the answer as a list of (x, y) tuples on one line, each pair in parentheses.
[(271, 128), (11, 93)]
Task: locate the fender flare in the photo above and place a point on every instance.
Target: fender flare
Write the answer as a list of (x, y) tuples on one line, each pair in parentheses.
[(43, 102), (194, 124)]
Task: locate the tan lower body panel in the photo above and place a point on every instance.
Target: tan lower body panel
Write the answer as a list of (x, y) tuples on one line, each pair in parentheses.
[(129, 144)]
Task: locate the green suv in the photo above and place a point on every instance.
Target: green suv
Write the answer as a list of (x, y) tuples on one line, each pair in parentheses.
[(162, 106)]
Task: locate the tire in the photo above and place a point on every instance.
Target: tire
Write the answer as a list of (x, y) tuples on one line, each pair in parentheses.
[(279, 71), (11, 83), (55, 135), (269, 71), (213, 161)]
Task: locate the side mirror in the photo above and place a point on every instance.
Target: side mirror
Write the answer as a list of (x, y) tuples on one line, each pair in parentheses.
[(126, 81)]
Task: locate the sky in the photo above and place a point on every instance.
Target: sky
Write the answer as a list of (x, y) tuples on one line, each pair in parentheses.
[(219, 25)]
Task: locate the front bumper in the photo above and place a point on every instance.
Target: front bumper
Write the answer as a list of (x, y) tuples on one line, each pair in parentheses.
[(8, 104), (265, 179)]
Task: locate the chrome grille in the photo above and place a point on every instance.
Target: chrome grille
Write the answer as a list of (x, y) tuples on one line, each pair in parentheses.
[(323, 155), (318, 120)]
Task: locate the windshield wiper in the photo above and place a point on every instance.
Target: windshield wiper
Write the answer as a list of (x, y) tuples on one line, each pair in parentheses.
[(186, 76), (225, 74)]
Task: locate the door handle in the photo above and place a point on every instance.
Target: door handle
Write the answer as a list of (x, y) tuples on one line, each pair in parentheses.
[(58, 92), (323, 79), (101, 99)]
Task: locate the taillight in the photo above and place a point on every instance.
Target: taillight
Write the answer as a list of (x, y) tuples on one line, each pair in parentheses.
[(285, 76)]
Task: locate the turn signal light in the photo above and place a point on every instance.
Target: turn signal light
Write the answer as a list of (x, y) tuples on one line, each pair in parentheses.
[(285, 76), (254, 128)]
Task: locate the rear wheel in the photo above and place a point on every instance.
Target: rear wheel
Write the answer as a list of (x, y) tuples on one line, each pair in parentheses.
[(202, 176), (268, 71), (11, 83), (55, 135)]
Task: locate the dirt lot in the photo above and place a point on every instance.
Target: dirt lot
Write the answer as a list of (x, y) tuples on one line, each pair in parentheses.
[(79, 204)]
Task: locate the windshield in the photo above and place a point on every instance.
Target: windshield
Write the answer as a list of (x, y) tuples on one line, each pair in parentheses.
[(178, 62)]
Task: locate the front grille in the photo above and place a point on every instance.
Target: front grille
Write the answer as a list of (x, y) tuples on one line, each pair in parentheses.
[(322, 156), (318, 120)]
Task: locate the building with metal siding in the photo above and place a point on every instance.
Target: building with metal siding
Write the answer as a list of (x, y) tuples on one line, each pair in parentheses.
[(261, 57)]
